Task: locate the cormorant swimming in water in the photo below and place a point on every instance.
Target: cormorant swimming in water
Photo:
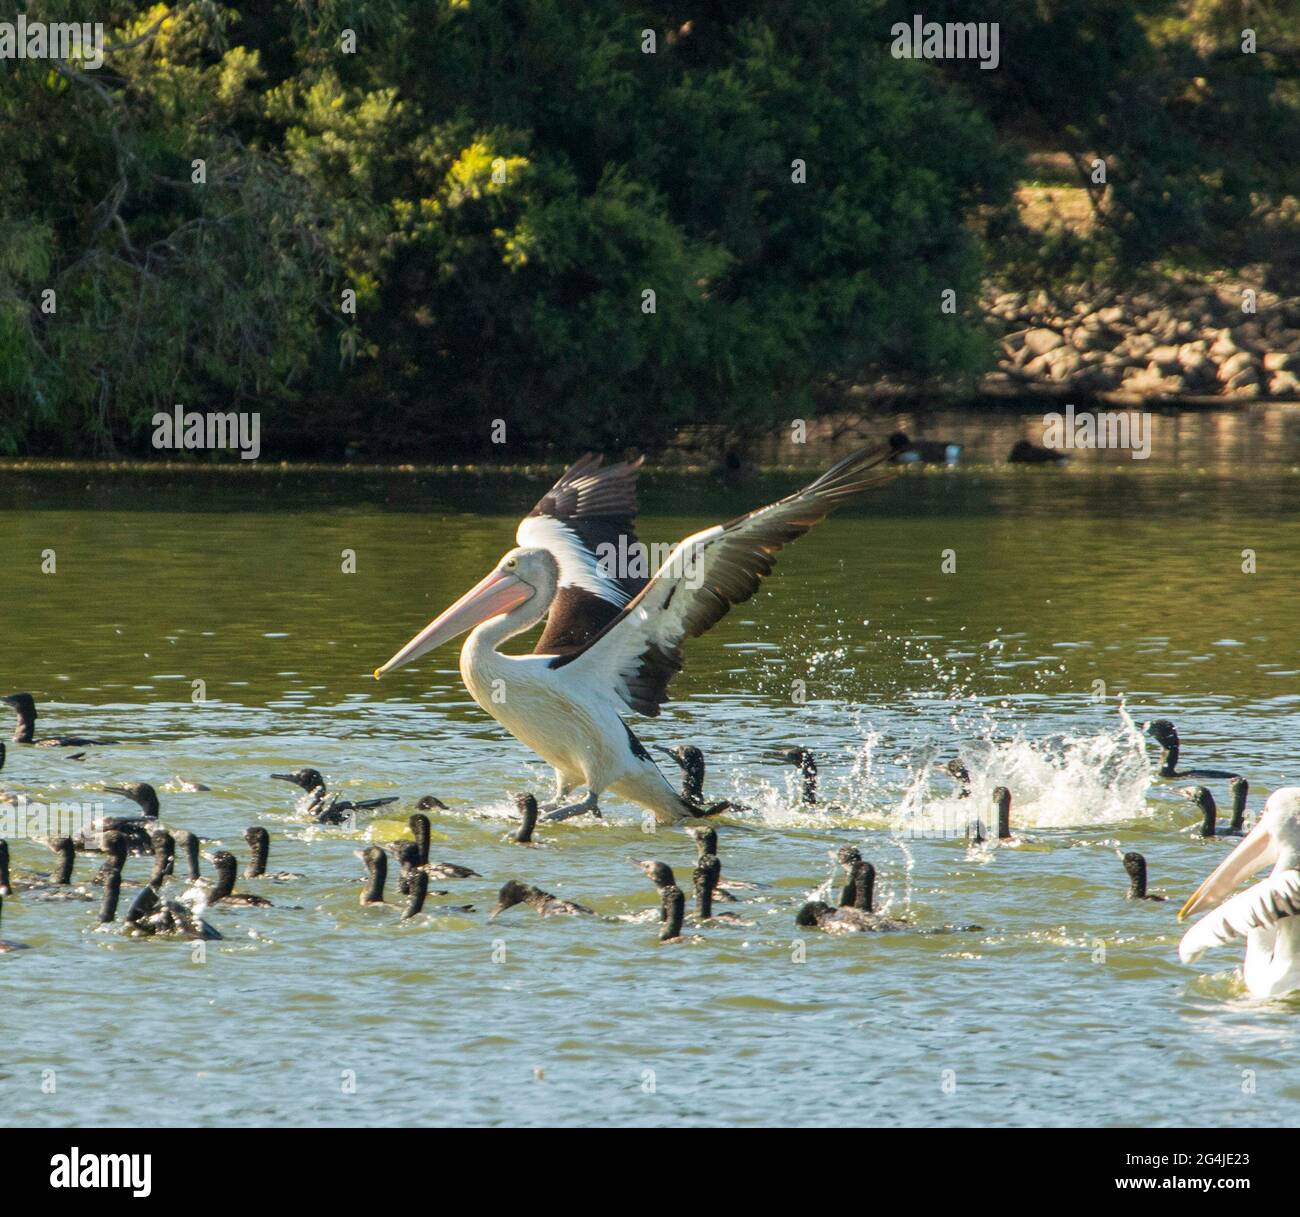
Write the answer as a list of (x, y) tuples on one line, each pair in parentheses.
[(259, 842), (1025, 453), (1136, 866), (1204, 800), (527, 805), (859, 892), (908, 451), (1166, 735), (957, 770), (419, 825), (321, 805), (419, 890), (223, 886), (705, 881), (1240, 793), (431, 802), (691, 762), (818, 915), (136, 831), (377, 871), (513, 892), (188, 844), (672, 901), (24, 705), (802, 759), (151, 915)]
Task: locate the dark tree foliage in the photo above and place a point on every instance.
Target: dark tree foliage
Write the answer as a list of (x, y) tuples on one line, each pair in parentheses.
[(499, 184)]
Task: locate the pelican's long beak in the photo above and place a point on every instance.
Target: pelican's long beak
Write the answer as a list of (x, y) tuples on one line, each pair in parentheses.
[(1258, 850), (498, 593)]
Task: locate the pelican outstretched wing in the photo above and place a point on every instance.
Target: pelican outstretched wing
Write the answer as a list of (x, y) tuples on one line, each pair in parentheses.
[(640, 650), (1264, 904), (586, 520)]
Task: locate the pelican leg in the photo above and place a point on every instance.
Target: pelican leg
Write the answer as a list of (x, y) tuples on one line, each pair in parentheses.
[(575, 809), (562, 789)]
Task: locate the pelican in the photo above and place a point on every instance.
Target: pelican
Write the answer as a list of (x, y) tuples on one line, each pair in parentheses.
[(1265, 915), (613, 639)]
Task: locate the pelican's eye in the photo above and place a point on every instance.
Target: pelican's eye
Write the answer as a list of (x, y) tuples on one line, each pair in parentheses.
[(511, 563)]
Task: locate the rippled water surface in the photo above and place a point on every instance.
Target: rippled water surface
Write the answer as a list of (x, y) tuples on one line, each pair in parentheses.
[(1084, 602)]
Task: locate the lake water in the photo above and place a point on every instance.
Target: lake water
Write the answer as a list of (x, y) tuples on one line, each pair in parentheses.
[(1069, 1006)]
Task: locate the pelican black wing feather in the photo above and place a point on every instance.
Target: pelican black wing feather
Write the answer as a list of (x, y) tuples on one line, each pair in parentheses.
[(708, 573)]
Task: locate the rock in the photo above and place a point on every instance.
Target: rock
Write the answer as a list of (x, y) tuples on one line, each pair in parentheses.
[(1042, 341), (1280, 361), (1063, 362), (1246, 378), (1038, 366), (1223, 346), (1110, 316), (1234, 365), (1166, 357), (1284, 384)]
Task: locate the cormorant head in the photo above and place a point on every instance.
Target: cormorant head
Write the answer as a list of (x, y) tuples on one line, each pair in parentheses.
[(140, 793), (429, 802), (706, 840), (812, 913), (24, 705), (1136, 866), (659, 873), (847, 856), (1204, 802), (308, 779), (1163, 732), (512, 892)]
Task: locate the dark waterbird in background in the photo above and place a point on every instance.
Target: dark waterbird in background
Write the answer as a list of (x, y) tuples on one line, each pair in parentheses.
[(1166, 735), (908, 451), (24, 705), (1025, 453), (527, 805)]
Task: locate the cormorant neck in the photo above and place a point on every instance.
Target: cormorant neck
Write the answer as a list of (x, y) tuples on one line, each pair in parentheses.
[(224, 884), (866, 887), (25, 729), (192, 855), (693, 782), (420, 827), (1240, 793), (1209, 815), (67, 856), (378, 868), (1137, 888), (808, 767), (419, 890), (706, 879), (112, 888), (525, 834), (1002, 797), (261, 846), (4, 868), (1169, 760), (674, 909)]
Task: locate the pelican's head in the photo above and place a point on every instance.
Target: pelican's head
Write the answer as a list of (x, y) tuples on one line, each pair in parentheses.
[(524, 574), (1274, 841)]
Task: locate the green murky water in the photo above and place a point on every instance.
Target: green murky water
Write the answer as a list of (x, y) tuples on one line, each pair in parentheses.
[(1068, 1007)]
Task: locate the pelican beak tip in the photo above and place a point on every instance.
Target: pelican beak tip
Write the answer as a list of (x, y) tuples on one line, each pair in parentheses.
[(377, 673)]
